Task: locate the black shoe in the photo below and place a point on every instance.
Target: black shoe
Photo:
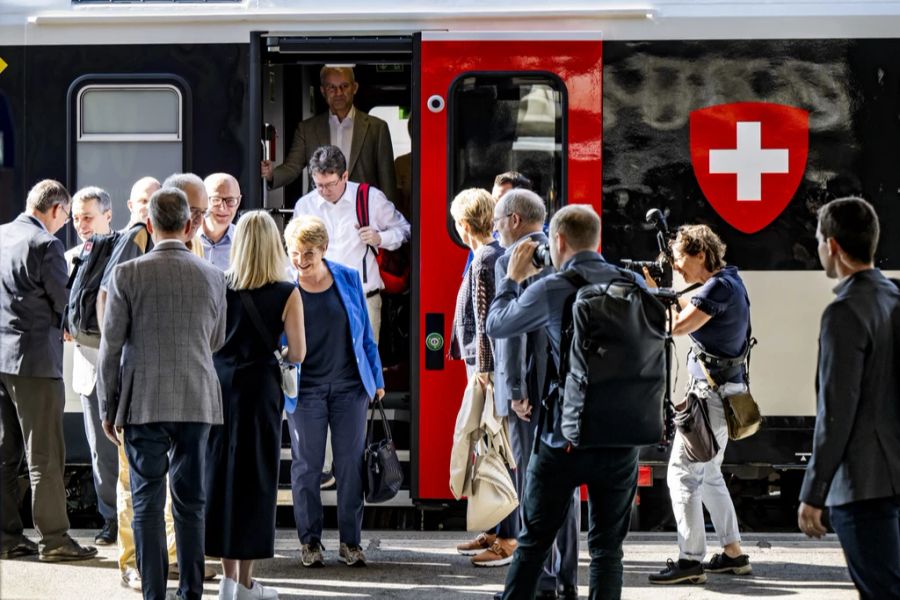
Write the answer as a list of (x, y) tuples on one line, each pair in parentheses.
[(68, 551), (328, 481), (546, 595), (722, 563), (498, 596), (568, 592), (107, 536), (684, 571), (24, 547)]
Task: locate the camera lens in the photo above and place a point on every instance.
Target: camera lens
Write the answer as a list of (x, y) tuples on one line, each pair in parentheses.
[(541, 256)]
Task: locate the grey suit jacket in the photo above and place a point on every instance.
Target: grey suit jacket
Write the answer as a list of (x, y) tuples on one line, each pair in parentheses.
[(371, 157), (165, 316), (520, 362), (856, 445), (32, 299)]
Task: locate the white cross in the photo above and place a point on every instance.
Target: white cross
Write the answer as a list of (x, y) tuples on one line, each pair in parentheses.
[(749, 160)]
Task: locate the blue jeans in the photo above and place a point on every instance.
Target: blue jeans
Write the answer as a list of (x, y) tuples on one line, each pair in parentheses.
[(343, 407), (553, 476), (178, 449), (869, 532)]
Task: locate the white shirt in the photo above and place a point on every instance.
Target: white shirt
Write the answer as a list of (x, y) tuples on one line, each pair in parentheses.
[(344, 245), (84, 359), (342, 132)]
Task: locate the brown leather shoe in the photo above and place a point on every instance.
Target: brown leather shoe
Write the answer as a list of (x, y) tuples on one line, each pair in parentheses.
[(478, 545), (499, 554), (209, 574), (70, 550)]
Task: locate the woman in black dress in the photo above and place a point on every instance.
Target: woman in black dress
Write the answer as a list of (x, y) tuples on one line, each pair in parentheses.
[(245, 451)]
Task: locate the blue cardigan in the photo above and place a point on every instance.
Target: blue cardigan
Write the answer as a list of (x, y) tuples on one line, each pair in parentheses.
[(350, 290)]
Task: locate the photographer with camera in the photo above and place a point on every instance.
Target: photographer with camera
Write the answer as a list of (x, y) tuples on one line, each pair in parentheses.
[(558, 468), (717, 318)]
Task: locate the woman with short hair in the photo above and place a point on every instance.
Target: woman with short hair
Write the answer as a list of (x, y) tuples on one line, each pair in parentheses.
[(717, 319), (341, 376), (245, 451), (473, 216)]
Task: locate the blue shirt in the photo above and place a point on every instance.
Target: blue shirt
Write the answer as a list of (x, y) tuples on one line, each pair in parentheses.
[(218, 253), (724, 298), (541, 305)]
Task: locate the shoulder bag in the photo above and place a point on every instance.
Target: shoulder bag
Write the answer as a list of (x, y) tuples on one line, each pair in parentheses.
[(383, 473), (289, 370)]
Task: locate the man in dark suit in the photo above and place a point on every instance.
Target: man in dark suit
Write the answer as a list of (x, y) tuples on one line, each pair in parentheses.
[(364, 140), (164, 319), (520, 372), (32, 394), (855, 465)]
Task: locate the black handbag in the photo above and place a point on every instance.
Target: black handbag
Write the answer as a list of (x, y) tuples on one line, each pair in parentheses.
[(692, 421), (383, 473)]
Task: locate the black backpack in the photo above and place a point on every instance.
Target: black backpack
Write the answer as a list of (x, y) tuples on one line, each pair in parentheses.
[(84, 284), (612, 364)]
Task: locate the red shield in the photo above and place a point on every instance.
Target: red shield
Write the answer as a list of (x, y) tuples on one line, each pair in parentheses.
[(749, 158)]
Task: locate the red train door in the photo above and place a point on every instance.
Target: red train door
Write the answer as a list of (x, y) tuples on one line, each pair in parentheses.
[(489, 103)]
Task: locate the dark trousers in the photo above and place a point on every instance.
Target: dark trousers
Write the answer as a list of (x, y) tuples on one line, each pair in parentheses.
[(343, 407), (561, 568), (553, 475), (869, 532), (178, 449), (104, 456), (31, 429)]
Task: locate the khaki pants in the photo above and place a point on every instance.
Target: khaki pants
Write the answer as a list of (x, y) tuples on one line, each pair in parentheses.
[(373, 305), (127, 553)]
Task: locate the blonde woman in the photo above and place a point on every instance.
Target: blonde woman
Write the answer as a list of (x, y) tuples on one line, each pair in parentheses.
[(342, 376), (473, 215), (245, 451)]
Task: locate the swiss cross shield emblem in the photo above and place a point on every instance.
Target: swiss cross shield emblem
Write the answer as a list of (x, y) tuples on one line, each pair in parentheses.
[(749, 159)]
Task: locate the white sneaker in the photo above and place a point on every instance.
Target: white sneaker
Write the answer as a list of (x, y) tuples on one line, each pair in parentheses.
[(257, 592), (227, 589)]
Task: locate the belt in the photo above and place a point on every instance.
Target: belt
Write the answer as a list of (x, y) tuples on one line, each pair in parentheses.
[(373, 293), (716, 362)]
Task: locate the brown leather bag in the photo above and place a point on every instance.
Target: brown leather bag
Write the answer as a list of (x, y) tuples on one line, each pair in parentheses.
[(692, 421)]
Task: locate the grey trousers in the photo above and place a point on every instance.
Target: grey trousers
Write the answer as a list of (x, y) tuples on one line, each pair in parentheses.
[(104, 457), (31, 429), (561, 568)]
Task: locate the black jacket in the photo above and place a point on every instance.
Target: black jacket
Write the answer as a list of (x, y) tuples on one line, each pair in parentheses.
[(856, 447)]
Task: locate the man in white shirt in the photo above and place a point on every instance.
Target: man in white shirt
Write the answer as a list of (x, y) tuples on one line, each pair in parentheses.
[(334, 201), (365, 140), (92, 213), (217, 230)]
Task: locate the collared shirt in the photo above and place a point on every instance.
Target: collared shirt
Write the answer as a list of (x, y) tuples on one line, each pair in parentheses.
[(218, 253), (344, 244), (541, 305), (342, 132), (84, 359)]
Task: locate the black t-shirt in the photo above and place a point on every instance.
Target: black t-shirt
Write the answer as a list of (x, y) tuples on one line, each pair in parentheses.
[(329, 357), (724, 298)]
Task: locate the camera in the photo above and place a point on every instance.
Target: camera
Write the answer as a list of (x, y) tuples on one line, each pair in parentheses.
[(541, 256), (655, 268)]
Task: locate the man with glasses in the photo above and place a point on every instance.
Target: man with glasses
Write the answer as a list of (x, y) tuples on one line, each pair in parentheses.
[(32, 393), (364, 140), (217, 230)]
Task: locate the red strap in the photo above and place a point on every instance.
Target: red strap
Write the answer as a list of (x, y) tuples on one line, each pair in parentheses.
[(362, 205)]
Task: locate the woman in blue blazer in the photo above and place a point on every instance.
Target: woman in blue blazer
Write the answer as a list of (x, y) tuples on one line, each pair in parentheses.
[(340, 376)]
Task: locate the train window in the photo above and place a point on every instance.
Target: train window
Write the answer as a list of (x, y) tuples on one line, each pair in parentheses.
[(398, 123), (124, 132), (508, 122)]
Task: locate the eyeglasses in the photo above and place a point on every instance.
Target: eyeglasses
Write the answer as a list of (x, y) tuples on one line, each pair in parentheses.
[(496, 220), (229, 201), (322, 187), (197, 214), (332, 89), (68, 213)]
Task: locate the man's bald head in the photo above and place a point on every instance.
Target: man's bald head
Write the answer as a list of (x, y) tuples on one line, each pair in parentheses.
[(224, 194), (139, 200)]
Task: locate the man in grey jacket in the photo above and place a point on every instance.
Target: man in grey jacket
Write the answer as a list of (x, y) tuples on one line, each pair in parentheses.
[(32, 394), (855, 465), (519, 378), (164, 319)]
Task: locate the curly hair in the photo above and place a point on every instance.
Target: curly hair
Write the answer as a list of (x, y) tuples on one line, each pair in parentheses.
[(694, 239)]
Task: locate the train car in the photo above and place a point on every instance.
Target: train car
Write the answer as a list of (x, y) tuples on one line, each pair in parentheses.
[(617, 105)]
